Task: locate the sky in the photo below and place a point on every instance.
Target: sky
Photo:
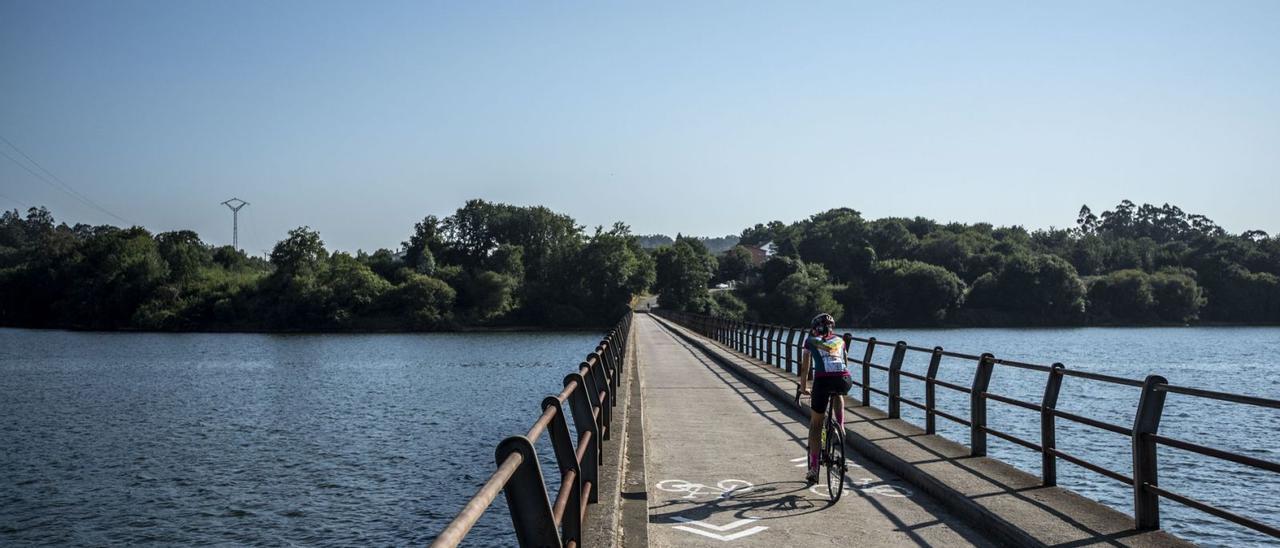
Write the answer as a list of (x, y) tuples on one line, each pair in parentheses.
[(360, 118)]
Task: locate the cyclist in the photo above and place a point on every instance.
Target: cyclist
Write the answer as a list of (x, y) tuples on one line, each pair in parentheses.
[(824, 351)]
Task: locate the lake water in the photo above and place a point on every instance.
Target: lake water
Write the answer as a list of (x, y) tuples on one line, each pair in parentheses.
[(109, 438), (1242, 360)]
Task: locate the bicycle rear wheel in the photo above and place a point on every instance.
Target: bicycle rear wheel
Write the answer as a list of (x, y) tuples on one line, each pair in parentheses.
[(833, 455)]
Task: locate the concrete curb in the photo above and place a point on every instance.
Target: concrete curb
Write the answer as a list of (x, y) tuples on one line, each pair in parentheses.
[(634, 519), (603, 519)]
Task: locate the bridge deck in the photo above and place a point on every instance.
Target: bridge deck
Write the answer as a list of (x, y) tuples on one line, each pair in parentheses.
[(724, 463)]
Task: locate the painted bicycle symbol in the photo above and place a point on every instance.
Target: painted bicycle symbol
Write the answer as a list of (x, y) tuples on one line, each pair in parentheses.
[(725, 488)]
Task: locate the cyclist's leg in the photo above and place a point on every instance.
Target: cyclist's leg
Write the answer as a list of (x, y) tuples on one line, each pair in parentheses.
[(845, 384), (817, 402), (815, 432)]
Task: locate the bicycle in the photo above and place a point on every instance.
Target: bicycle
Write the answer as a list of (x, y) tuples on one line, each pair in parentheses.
[(831, 454)]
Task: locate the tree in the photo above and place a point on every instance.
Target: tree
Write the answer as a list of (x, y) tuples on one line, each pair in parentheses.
[(1086, 221), (184, 253), (423, 245), (837, 238), (800, 296), (295, 296), (1178, 297), (683, 271), (913, 292), (423, 301), (119, 271), (735, 265), (891, 239), (728, 305), (384, 263), (611, 268), (1122, 295), (776, 269), (302, 252), (955, 250), (1031, 289), (355, 288)]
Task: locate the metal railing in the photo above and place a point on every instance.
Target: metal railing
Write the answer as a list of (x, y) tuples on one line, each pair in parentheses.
[(762, 342), (591, 393)]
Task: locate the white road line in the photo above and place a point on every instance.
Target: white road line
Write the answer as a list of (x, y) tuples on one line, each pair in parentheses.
[(723, 538)]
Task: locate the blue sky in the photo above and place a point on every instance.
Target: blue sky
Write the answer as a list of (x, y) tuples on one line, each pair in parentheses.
[(359, 118)]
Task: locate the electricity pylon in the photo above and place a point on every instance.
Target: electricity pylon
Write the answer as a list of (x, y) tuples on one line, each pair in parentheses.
[(235, 204)]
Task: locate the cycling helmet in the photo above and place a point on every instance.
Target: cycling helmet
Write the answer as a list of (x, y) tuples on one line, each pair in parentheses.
[(822, 323)]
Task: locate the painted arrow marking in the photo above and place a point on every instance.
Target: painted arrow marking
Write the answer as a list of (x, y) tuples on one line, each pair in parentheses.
[(720, 528)]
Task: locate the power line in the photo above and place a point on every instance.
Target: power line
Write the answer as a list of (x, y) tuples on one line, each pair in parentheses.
[(55, 182), (11, 199)]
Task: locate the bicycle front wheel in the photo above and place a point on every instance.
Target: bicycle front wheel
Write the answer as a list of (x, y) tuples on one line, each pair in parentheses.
[(833, 453)]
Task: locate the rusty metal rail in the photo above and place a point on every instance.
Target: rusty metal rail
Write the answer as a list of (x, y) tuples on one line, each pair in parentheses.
[(591, 392), (759, 341)]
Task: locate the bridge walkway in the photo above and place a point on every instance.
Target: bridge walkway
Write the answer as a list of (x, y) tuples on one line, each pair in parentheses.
[(724, 464)]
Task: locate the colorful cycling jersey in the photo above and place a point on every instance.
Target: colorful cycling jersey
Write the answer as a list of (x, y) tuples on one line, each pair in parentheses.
[(826, 355)]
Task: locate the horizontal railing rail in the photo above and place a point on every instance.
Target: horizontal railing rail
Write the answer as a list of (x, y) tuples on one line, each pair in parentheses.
[(591, 392), (761, 341)]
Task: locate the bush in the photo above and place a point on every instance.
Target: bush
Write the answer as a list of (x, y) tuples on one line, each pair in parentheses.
[(424, 301), (728, 305), (1178, 297), (913, 292), (800, 296), (1122, 295), (1031, 289)]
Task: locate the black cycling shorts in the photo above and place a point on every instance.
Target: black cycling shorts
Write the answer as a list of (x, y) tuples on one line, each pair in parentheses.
[(825, 387)]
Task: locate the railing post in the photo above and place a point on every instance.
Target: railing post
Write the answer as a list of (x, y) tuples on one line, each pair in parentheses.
[(895, 380), (978, 406), (765, 342), (759, 341), (931, 392), (1146, 504), (607, 353), (755, 341), (866, 371), (585, 423), (791, 344), (527, 496), (771, 355), (596, 370), (1048, 430), (567, 460)]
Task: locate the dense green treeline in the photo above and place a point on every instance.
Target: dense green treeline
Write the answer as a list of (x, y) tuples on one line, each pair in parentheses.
[(1131, 265), (487, 264), (493, 264)]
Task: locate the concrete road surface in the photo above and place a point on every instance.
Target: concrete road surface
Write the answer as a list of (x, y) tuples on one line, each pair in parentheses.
[(724, 466)]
